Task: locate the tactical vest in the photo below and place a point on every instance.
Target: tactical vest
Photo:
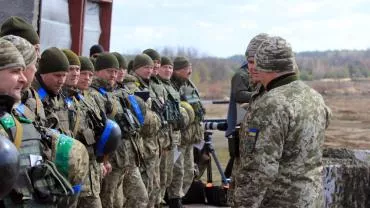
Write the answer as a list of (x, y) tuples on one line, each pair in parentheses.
[(85, 122), (172, 107), (31, 99), (59, 111), (31, 151), (189, 94)]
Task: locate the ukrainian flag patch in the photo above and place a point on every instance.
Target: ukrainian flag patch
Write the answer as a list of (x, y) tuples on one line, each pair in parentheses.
[(252, 132)]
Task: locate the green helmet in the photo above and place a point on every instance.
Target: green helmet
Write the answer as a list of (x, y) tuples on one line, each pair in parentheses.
[(70, 157), (9, 166)]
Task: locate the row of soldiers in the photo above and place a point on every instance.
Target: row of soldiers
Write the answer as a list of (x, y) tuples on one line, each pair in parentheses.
[(90, 134)]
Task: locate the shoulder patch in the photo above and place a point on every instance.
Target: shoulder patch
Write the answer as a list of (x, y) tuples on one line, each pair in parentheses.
[(252, 132)]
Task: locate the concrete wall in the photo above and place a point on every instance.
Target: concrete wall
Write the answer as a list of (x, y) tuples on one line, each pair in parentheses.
[(346, 178), (28, 9)]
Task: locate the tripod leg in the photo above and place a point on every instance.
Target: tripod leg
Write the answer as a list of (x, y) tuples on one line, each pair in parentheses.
[(229, 167), (224, 179)]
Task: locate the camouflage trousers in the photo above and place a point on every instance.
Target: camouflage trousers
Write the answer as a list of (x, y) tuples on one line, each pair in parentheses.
[(131, 191), (151, 178), (89, 196), (183, 173), (167, 164)]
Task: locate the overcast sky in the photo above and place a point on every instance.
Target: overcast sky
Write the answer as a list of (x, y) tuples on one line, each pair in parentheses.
[(224, 27)]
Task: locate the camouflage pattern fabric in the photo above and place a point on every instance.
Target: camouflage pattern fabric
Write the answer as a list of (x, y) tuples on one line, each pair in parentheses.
[(10, 57), (255, 43), (281, 149), (32, 101), (24, 47), (28, 147), (183, 173), (57, 111), (137, 196), (126, 157), (275, 54), (150, 134)]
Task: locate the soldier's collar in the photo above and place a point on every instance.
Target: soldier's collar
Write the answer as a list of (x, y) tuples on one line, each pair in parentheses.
[(101, 83), (41, 88), (282, 80), (6, 103)]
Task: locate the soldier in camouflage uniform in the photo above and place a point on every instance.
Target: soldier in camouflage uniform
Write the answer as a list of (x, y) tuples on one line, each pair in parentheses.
[(175, 124), (281, 136), (256, 90), (15, 126), (122, 71), (142, 70), (126, 159), (163, 138), (183, 173), (87, 122), (20, 28), (49, 80)]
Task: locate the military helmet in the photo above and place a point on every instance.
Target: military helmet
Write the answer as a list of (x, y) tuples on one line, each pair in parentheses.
[(184, 116), (9, 165), (152, 124), (70, 157), (109, 140), (189, 110)]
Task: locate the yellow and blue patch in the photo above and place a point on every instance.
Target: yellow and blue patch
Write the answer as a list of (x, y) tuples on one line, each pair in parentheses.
[(251, 139), (252, 132)]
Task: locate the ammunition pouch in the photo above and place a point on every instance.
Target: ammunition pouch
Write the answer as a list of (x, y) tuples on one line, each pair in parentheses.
[(47, 183), (173, 114)]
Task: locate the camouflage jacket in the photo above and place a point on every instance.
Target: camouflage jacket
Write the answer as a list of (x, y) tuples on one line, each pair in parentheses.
[(152, 122), (31, 99), (281, 141), (173, 97), (188, 93), (30, 143), (129, 152), (59, 109)]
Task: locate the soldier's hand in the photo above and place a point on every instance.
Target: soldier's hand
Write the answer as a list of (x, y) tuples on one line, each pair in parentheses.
[(107, 168)]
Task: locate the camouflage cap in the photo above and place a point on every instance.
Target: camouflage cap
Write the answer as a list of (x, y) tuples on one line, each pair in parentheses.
[(10, 57), (275, 54), (255, 43), (24, 47)]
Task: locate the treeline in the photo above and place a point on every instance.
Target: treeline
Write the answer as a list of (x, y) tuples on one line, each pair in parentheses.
[(213, 74)]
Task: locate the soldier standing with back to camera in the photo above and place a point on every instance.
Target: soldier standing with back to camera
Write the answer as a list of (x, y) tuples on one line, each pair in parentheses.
[(281, 136), (183, 172)]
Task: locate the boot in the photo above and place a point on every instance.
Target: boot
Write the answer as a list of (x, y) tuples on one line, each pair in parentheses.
[(175, 203)]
